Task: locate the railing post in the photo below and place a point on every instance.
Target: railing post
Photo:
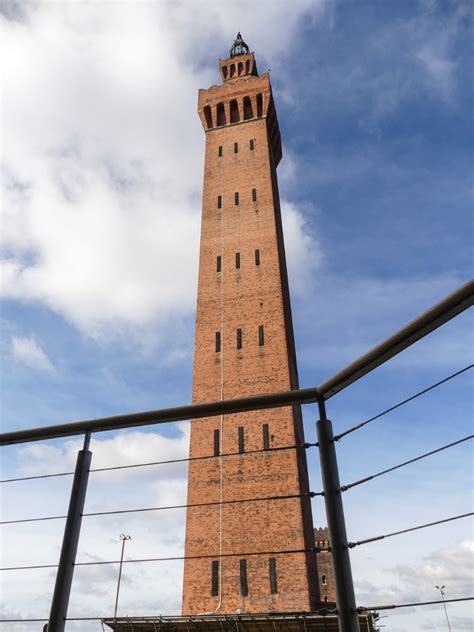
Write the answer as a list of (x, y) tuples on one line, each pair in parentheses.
[(345, 598), (72, 529)]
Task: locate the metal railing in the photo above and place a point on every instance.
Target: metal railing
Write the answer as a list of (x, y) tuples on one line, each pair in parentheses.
[(347, 609)]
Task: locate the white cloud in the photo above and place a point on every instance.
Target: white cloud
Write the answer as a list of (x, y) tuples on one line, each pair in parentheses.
[(417, 55), (400, 584), (452, 567), (440, 68), (29, 352), (303, 251), (358, 313), (104, 150), (126, 448), (147, 588)]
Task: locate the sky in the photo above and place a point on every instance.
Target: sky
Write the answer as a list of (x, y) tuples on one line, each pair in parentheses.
[(102, 165)]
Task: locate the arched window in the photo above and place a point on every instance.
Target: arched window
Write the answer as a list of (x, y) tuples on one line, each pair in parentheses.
[(232, 70), (324, 580), (240, 68), (225, 70), (220, 115), (259, 104), (234, 112), (248, 110), (208, 116)]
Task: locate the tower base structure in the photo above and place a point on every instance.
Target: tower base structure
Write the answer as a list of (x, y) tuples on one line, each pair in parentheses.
[(275, 622)]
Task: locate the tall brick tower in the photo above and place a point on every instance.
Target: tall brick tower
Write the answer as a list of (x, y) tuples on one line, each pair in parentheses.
[(244, 345)]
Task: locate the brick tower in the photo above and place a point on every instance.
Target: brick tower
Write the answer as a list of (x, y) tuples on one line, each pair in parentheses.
[(244, 346), (327, 588)]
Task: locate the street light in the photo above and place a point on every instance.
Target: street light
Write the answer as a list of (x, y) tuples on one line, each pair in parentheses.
[(441, 590), (124, 537)]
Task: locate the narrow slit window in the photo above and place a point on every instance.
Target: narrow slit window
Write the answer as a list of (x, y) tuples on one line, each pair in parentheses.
[(241, 440), (252, 144), (324, 581), (219, 151), (236, 199), (219, 201), (254, 195), (217, 442), (261, 336), (237, 260), (239, 338), (236, 148), (257, 257), (244, 588), (266, 437), (219, 263), (273, 575), (215, 578), (218, 341)]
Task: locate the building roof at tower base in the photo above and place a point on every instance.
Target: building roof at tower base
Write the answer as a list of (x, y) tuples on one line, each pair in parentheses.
[(271, 622)]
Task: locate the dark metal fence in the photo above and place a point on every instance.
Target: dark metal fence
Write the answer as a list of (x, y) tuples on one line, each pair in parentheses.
[(347, 609)]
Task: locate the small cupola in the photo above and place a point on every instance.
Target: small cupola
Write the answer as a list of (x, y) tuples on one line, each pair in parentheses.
[(239, 47), (240, 63)]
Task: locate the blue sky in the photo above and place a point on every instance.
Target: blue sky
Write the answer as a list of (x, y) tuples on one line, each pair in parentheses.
[(102, 175)]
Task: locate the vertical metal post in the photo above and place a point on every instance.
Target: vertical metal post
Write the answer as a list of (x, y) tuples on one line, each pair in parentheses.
[(345, 598), (124, 537), (441, 590), (72, 529)]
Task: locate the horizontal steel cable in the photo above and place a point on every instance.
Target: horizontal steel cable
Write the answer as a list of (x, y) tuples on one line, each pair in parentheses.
[(344, 488), (405, 401), (166, 559), (362, 609), (168, 462), (161, 619), (321, 611), (187, 506), (351, 545)]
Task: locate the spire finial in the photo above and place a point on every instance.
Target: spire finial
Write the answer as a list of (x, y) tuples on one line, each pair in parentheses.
[(239, 47)]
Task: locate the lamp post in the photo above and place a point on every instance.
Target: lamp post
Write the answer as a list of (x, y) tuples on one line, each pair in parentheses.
[(124, 537), (441, 590)]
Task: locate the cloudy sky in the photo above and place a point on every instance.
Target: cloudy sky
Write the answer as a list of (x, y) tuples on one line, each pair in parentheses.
[(102, 156)]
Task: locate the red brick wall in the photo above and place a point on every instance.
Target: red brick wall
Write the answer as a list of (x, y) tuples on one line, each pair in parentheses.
[(245, 298)]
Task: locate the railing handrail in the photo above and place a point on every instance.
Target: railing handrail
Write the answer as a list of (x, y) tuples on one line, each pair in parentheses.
[(163, 415), (424, 324), (428, 321)]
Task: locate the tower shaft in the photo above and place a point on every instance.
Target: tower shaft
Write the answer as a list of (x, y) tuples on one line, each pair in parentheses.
[(244, 346)]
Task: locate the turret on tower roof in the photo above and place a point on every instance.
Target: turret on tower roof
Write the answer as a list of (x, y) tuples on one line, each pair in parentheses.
[(240, 63), (239, 47)]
